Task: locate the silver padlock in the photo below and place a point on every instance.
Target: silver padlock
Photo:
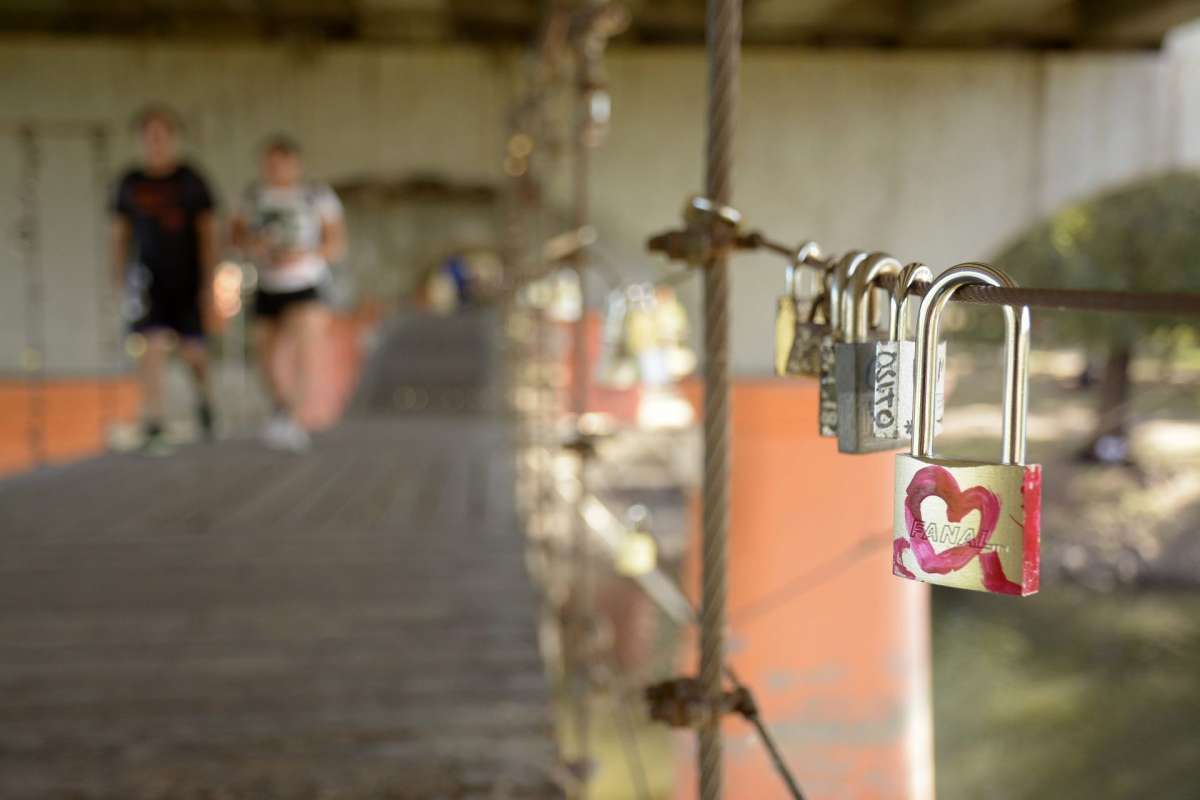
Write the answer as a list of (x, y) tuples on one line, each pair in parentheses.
[(855, 358), (895, 361), (969, 524), (797, 332), (839, 281)]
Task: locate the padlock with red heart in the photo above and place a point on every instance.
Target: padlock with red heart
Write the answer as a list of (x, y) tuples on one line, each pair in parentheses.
[(969, 524)]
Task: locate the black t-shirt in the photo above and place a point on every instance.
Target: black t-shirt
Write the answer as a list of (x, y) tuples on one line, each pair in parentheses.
[(162, 211)]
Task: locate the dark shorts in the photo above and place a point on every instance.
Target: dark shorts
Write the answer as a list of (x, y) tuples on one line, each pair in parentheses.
[(272, 305), (179, 313)]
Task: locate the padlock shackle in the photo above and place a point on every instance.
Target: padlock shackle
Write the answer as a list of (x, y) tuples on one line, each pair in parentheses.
[(1016, 360), (799, 258), (855, 322), (839, 284), (898, 302)]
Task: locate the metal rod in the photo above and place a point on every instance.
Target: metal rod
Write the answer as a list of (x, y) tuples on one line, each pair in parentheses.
[(624, 723), (108, 342), (582, 611), (35, 292)]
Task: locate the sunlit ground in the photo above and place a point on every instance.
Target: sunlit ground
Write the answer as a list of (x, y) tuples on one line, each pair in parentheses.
[(1091, 689)]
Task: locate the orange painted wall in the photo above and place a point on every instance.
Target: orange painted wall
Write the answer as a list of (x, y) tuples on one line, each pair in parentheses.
[(75, 413), (835, 647)]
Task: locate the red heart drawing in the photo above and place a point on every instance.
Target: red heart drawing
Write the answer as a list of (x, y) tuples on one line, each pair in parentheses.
[(935, 481)]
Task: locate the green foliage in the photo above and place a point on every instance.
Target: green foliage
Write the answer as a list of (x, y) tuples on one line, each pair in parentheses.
[(1141, 236)]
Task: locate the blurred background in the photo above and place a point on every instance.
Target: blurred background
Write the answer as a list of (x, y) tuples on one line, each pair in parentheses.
[(396, 611)]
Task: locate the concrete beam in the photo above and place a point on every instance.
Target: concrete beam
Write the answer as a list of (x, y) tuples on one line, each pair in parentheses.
[(788, 21), (1134, 22), (404, 20), (940, 17)]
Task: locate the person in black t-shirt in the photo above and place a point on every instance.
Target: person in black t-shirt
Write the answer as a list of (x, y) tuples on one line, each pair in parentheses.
[(164, 250)]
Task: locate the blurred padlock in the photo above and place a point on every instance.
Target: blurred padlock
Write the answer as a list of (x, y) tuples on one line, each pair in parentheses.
[(637, 551), (839, 282), (969, 524), (855, 358), (895, 359), (796, 343)]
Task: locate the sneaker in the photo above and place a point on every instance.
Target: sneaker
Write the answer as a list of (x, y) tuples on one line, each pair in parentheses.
[(283, 433), (154, 441)]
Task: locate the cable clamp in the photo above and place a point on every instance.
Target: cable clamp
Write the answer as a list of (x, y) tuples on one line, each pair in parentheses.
[(680, 703), (711, 230)]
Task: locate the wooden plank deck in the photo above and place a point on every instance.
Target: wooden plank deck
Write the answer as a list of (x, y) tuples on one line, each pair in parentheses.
[(231, 622)]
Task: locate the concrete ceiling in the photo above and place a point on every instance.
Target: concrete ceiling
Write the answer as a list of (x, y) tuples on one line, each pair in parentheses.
[(1087, 24)]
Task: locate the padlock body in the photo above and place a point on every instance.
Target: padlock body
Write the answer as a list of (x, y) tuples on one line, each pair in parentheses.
[(827, 410), (786, 317), (891, 377), (805, 358), (855, 365), (968, 524)]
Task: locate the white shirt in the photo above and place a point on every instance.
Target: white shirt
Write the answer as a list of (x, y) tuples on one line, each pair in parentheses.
[(291, 218)]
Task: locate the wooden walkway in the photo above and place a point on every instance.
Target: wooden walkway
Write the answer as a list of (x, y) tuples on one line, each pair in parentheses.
[(235, 623)]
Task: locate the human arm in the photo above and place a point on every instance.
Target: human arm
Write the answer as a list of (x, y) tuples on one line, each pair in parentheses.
[(206, 242), (120, 237), (333, 227), (333, 240), (120, 232)]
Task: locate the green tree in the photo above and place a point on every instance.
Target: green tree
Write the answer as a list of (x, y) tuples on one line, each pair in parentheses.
[(1140, 236)]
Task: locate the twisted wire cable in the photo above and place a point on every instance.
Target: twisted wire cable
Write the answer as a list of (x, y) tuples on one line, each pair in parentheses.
[(1172, 303), (723, 38)]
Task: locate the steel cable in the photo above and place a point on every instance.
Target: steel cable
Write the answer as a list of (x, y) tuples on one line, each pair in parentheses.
[(1170, 303), (723, 40)]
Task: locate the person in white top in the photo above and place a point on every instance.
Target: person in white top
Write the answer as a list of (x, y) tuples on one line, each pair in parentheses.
[(292, 229)]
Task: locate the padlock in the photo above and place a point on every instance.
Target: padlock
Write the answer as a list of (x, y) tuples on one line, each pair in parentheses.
[(839, 281), (891, 411), (855, 357), (637, 550), (796, 331), (805, 356), (969, 524)]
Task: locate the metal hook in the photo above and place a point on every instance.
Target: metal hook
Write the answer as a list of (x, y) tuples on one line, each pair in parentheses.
[(875, 266), (839, 281), (898, 302), (1016, 369), (799, 258)]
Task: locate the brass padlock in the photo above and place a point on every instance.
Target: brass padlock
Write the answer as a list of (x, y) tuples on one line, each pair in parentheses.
[(969, 524), (839, 281), (637, 550), (796, 331), (855, 358), (805, 357), (895, 359)]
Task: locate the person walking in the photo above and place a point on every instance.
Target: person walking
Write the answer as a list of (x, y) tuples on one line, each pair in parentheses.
[(163, 254), (293, 229)]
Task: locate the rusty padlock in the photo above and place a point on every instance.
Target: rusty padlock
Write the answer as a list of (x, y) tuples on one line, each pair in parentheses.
[(797, 331), (895, 359), (856, 369), (969, 524), (839, 282)]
